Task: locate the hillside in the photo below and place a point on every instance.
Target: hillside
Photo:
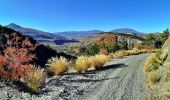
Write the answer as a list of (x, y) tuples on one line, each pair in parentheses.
[(98, 36), (157, 72), (40, 36)]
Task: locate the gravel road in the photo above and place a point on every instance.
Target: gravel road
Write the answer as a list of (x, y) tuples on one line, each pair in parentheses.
[(120, 79), (123, 80)]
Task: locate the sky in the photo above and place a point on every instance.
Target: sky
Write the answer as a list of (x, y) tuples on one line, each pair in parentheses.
[(79, 15)]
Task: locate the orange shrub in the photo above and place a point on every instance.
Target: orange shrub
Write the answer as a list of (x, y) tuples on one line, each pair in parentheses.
[(16, 57)]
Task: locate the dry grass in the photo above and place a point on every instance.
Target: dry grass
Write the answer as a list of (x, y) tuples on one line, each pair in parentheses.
[(119, 54), (153, 62), (153, 77), (133, 52), (82, 64), (35, 79), (71, 69), (122, 53), (147, 65), (98, 61), (58, 65)]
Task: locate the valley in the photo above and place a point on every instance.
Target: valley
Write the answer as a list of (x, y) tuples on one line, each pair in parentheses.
[(104, 65)]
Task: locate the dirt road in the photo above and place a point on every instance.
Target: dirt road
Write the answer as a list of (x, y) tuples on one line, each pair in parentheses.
[(122, 79)]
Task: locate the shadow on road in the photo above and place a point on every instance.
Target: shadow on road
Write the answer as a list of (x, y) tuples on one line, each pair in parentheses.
[(107, 67), (88, 80), (91, 74)]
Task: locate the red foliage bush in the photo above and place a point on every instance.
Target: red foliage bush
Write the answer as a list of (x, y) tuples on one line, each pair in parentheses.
[(16, 58)]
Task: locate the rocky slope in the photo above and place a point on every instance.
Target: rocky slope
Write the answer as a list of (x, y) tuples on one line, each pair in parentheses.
[(160, 90)]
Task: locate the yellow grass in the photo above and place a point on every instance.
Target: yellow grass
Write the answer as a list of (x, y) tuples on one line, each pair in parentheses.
[(98, 61), (82, 64), (35, 79), (153, 77), (147, 65), (119, 54), (58, 65)]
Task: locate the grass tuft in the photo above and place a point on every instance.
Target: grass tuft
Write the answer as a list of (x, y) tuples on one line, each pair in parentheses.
[(119, 54), (82, 64), (58, 65), (35, 79), (153, 77), (98, 61)]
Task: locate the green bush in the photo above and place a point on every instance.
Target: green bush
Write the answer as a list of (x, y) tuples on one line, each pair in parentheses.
[(92, 49), (157, 61)]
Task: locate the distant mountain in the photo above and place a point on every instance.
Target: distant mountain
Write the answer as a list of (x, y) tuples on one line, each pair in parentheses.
[(41, 36), (34, 33), (126, 31), (78, 34)]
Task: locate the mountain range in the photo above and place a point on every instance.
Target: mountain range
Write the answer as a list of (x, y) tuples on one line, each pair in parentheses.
[(82, 34), (78, 34), (34, 33), (60, 38), (41, 36)]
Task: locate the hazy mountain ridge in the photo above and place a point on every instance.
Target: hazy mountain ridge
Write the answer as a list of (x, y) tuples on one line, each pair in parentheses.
[(34, 33), (127, 31), (83, 34), (78, 34), (41, 36), (66, 37)]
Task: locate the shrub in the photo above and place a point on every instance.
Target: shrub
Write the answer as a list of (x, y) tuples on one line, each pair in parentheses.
[(157, 61), (153, 62), (92, 49), (35, 79), (153, 77), (82, 64), (112, 47), (98, 61), (58, 65), (147, 65), (16, 58)]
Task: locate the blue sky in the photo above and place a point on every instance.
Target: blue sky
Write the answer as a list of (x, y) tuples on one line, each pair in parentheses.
[(70, 15)]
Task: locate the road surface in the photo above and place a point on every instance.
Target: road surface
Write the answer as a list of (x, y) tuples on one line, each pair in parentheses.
[(123, 79)]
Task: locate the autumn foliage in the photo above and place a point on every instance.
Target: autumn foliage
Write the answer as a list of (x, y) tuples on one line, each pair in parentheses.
[(16, 57)]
